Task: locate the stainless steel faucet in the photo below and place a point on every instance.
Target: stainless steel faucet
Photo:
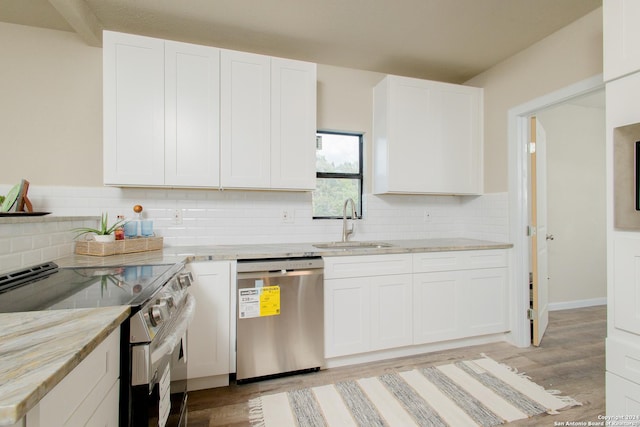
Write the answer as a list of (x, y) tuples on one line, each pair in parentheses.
[(348, 231)]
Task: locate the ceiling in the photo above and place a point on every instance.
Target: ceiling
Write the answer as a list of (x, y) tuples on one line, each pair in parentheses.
[(445, 40)]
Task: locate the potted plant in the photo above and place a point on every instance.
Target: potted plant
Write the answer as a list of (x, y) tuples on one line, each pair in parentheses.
[(104, 233)]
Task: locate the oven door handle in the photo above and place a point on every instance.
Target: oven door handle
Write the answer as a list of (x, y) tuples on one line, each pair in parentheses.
[(173, 339)]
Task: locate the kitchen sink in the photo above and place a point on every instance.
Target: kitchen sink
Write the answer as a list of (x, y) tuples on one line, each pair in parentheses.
[(352, 245)]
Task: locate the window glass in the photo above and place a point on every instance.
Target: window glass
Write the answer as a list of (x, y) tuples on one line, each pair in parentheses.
[(338, 153), (339, 173)]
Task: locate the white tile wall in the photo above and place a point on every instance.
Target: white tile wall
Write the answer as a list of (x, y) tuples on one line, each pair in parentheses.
[(25, 244), (243, 217)]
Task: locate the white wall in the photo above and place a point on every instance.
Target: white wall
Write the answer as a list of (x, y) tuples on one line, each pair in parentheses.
[(51, 107), (568, 56), (576, 202)]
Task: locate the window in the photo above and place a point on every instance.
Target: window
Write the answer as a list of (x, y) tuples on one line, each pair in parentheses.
[(338, 172)]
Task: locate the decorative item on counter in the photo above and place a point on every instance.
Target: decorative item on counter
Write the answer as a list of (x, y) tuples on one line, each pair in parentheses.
[(119, 232), (143, 227), (130, 244), (102, 234), (16, 202)]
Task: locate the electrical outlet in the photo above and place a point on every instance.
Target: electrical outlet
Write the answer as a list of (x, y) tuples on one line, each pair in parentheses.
[(177, 217), (287, 216), (427, 216)]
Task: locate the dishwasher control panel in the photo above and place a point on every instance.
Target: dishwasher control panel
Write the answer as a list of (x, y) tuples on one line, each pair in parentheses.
[(279, 264)]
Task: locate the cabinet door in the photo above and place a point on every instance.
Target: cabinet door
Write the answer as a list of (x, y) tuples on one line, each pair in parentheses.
[(133, 76), (391, 320), (436, 306), (192, 115), (91, 386), (208, 334), (427, 137), (484, 301), (293, 124), (347, 317), (623, 399), (412, 129), (626, 285), (245, 120), (459, 136), (621, 37), (107, 413)]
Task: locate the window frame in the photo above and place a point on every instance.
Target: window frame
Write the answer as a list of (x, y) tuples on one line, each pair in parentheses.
[(343, 175)]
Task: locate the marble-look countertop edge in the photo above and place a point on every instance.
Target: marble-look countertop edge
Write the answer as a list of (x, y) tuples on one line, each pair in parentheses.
[(19, 395)]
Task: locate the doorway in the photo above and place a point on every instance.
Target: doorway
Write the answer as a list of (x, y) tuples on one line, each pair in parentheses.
[(570, 237), (520, 198)]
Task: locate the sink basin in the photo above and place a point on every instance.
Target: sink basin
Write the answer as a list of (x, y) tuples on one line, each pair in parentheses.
[(352, 245)]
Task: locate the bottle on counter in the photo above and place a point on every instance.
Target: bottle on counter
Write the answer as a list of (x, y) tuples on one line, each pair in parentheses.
[(119, 232)]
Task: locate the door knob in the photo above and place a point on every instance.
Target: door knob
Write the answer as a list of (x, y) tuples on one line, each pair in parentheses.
[(550, 237)]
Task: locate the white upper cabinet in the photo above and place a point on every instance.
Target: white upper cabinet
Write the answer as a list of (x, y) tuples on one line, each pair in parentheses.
[(268, 122), (183, 115), (133, 109), (293, 124), (427, 137), (246, 88), (621, 37), (192, 115), (161, 112)]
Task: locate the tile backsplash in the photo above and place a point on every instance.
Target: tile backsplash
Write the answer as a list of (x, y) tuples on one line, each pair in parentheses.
[(210, 217)]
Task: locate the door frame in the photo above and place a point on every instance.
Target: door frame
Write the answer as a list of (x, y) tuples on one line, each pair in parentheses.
[(519, 200)]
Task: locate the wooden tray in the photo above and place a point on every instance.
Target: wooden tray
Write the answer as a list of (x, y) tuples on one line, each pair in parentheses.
[(126, 246)]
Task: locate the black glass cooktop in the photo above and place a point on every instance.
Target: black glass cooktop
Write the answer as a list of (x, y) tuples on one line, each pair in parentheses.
[(65, 288)]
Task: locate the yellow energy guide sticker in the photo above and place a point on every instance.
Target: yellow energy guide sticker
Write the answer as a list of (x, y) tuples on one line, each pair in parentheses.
[(270, 301), (259, 301)]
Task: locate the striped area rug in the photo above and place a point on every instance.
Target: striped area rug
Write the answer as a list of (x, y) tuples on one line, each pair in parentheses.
[(480, 392)]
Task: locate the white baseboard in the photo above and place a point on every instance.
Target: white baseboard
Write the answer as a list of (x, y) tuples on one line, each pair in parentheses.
[(566, 305)]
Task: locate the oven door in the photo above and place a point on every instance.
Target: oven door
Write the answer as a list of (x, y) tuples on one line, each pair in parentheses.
[(162, 400)]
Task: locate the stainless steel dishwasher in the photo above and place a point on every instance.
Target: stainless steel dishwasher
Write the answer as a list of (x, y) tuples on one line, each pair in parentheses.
[(280, 320)]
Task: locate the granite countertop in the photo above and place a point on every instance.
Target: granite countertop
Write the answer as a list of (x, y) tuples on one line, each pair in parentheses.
[(285, 250), (38, 349), (173, 254), (31, 366)]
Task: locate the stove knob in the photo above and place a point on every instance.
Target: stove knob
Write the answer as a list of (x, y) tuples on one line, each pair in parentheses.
[(185, 279), (155, 315), (168, 301)]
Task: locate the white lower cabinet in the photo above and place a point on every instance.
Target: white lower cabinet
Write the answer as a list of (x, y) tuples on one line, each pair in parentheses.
[(391, 322), (459, 304), (623, 400), (381, 302), (209, 332), (347, 315), (367, 313), (436, 314), (88, 396)]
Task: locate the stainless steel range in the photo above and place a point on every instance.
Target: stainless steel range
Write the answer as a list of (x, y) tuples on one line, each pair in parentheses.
[(152, 347)]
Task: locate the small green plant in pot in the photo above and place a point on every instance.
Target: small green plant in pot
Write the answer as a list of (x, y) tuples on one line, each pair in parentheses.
[(104, 233)]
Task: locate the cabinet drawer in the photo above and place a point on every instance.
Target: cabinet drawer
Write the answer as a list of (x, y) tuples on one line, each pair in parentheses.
[(458, 260), (366, 265)]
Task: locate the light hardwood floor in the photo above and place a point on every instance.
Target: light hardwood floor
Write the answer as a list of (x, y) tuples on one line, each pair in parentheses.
[(571, 359)]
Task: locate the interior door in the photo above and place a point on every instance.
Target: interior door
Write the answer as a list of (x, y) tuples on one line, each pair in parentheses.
[(539, 253)]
